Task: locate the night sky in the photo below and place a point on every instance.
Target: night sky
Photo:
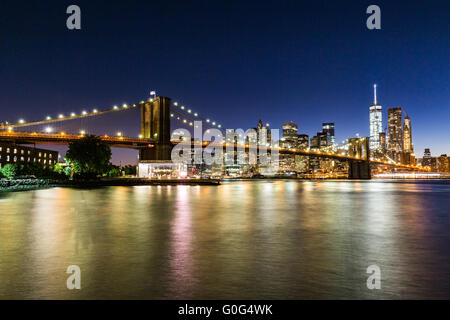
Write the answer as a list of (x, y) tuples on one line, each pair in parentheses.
[(232, 61)]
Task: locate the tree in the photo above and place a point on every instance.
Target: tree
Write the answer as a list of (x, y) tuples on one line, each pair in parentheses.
[(129, 170), (58, 168), (89, 157), (114, 172), (29, 169), (9, 171), (68, 171)]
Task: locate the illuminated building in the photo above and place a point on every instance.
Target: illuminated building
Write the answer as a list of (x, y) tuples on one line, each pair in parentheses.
[(426, 160), (319, 141), (434, 164), (382, 141), (161, 169), (376, 122), (288, 141), (264, 134), (301, 164), (328, 129), (12, 153), (303, 142), (315, 143), (407, 136), (443, 163), (290, 135), (395, 136), (408, 148)]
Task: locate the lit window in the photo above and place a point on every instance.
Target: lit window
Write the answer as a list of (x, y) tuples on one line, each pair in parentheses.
[(7, 158), (15, 159), (7, 150), (29, 152), (22, 159), (22, 151), (45, 155), (40, 154), (50, 155), (15, 151), (1, 149)]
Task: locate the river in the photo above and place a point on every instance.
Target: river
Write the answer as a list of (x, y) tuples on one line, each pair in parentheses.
[(270, 239)]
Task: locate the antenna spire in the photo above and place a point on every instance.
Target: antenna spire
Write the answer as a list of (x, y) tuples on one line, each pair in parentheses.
[(375, 93)]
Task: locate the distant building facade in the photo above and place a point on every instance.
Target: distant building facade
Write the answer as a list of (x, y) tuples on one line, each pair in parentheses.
[(12, 153), (328, 129), (395, 135), (426, 160), (303, 142), (407, 136), (443, 163), (290, 135)]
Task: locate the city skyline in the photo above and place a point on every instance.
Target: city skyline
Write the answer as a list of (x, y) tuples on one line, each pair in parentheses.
[(234, 70), (198, 155)]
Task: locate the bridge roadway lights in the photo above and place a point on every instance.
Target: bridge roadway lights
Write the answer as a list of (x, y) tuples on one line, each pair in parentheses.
[(155, 124), (359, 169)]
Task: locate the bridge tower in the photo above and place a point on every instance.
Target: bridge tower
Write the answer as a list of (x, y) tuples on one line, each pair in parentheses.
[(359, 169), (155, 124)]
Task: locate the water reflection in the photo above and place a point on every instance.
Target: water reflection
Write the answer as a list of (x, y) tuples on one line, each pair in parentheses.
[(262, 239)]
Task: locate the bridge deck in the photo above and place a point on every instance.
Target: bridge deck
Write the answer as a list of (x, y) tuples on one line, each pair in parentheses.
[(142, 143), (65, 139)]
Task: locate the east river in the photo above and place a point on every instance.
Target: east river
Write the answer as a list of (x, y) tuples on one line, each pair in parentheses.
[(268, 239)]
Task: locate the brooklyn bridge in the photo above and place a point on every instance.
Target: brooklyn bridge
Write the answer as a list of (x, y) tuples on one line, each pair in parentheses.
[(154, 142)]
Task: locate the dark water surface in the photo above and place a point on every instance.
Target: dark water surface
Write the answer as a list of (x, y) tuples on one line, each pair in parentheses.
[(245, 239)]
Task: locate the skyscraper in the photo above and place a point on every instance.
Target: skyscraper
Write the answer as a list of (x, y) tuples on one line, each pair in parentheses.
[(376, 122), (395, 136), (328, 128), (407, 136), (426, 160), (290, 135)]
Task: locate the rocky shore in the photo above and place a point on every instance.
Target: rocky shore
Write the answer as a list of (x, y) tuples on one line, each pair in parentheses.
[(31, 184), (26, 184)]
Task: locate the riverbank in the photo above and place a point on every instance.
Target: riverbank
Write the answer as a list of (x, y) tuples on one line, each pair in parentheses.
[(26, 184), (32, 184)]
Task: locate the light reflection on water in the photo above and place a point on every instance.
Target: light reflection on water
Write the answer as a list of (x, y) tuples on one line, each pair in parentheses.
[(261, 239)]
